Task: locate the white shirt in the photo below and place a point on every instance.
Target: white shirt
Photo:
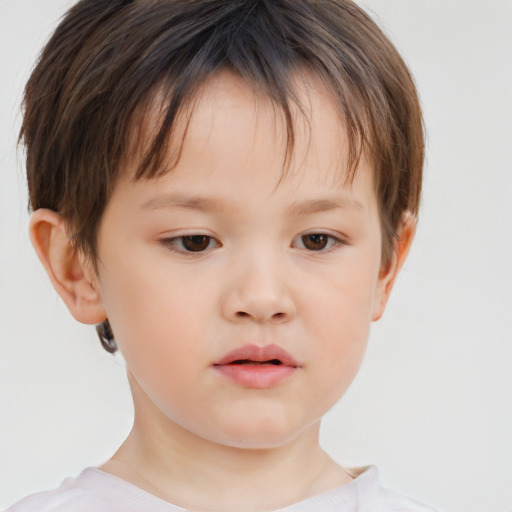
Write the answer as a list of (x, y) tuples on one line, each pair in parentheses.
[(96, 491)]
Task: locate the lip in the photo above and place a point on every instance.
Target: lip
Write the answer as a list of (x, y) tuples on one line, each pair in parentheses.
[(258, 354), (246, 366)]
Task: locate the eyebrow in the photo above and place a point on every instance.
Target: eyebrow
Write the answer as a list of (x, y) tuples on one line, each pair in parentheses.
[(322, 205), (187, 202), (208, 204)]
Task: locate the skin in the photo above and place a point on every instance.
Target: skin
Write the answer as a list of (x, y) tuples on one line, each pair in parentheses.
[(200, 440)]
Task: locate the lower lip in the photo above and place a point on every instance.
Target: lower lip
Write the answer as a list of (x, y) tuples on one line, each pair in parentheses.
[(256, 376)]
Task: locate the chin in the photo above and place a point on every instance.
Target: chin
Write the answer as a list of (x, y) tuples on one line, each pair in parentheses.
[(260, 434)]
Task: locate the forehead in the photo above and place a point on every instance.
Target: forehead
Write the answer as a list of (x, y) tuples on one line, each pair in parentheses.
[(229, 119), (231, 147), (232, 139)]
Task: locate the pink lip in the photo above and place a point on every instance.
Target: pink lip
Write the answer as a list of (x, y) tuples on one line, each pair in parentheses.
[(254, 375)]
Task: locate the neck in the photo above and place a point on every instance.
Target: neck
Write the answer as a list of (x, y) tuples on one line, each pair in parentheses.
[(172, 463)]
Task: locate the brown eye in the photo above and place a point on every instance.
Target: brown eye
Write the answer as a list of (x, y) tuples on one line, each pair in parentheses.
[(190, 244), (315, 242), (195, 243)]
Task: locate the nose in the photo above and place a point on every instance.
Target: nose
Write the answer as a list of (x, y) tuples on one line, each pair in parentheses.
[(258, 292)]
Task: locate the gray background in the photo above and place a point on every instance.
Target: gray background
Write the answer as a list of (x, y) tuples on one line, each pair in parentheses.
[(432, 405)]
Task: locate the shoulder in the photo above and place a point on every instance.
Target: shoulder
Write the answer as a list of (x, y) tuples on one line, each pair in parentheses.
[(67, 498), (373, 497), (93, 491), (364, 494), (389, 501)]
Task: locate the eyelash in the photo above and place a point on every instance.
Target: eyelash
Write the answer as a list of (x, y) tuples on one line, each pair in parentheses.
[(175, 244)]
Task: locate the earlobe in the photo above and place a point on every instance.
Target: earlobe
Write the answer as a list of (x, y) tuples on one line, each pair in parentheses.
[(71, 277), (388, 276)]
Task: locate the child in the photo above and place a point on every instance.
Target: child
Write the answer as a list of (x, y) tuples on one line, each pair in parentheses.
[(228, 191)]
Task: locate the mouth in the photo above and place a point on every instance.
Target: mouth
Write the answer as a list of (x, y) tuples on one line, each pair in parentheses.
[(258, 355), (249, 362), (257, 367)]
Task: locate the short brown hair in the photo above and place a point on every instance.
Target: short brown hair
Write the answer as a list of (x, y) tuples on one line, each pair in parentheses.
[(106, 60)]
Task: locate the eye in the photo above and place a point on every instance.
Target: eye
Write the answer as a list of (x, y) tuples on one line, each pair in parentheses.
[(190, 243), (318, 242)]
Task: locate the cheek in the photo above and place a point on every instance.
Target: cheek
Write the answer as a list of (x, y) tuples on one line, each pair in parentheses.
[(342, 340), (341, 301), (163, 345), (339, 316), (154, 317)]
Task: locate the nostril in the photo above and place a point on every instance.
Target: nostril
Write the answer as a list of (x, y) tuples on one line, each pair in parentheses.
[(276, 317)]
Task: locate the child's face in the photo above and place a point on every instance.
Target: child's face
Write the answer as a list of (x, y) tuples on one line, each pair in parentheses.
[(295, 265)]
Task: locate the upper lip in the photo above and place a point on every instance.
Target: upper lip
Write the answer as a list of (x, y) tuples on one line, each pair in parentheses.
[(260, 354)]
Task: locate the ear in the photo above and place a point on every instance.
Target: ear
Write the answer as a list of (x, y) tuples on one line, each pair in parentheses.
[(71, 275), (388, 275)]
